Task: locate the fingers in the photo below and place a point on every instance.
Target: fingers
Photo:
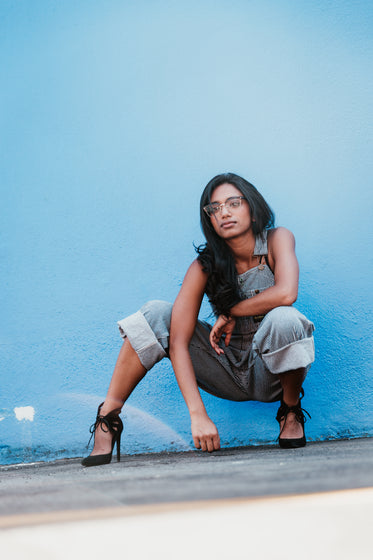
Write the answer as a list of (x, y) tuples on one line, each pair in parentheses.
[(216, 442), (207, 443), (217, 348), (204, 432), (197, 444), (223, 326), (214, 338)]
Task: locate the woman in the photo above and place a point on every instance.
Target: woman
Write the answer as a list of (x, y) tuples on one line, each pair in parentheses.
[(260, 347)]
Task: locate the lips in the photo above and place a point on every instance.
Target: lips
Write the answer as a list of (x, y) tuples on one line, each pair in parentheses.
[(226, 225)]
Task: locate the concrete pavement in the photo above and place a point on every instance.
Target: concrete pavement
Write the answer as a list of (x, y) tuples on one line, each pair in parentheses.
[(232, 503), (182, 477)]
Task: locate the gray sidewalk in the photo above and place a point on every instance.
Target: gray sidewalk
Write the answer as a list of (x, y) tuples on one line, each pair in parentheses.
[(183, 477), (252, 502)]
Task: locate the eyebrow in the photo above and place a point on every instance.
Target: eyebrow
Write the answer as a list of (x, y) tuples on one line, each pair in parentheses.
[(229, 197)]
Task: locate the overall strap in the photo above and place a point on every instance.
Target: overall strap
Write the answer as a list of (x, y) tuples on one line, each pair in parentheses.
[(261, 248), (267, 263)]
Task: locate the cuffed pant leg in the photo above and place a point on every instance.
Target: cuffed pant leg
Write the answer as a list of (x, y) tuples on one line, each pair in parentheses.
[(284, 340), (148, 331)]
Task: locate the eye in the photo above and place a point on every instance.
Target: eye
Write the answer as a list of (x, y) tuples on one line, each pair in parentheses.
[(235, 203)]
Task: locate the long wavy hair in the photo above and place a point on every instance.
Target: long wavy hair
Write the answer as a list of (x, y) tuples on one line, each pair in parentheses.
[(215, 255)]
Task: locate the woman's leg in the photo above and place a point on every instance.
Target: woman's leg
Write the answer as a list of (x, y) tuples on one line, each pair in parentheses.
[(145, 334), (128, 372), (291, 383), (284, 342)]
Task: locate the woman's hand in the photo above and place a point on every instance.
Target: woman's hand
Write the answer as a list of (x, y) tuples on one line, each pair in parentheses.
[(223, 326), (204, 432)]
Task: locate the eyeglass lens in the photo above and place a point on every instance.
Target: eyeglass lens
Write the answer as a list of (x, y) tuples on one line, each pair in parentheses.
[(230, 203)]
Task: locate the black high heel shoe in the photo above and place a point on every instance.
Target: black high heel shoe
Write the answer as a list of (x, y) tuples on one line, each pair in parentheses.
[(282, 415), (109, 423)]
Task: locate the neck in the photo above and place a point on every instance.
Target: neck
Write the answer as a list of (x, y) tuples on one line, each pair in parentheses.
[(242, 247)]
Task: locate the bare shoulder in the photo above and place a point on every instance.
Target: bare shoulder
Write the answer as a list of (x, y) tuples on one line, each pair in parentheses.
[(188, 300), (195, 277), (281, 247), (196, 269), (280, 237)]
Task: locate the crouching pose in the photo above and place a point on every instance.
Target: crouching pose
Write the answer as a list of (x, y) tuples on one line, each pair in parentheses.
[(260, 347)]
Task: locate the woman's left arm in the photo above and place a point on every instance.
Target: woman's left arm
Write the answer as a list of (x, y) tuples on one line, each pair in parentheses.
[(284, 263)]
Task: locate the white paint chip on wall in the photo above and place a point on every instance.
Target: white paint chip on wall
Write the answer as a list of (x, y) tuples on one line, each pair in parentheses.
[(25, 413)]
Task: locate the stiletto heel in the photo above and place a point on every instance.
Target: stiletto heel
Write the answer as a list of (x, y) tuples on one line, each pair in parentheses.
[(109, 423), (282, 414), (118, 448)]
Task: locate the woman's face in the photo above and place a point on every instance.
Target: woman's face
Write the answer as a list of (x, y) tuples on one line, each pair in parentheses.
[(230, 221)]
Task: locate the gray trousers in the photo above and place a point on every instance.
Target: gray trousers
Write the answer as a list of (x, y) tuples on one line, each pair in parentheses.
[(249, 367)]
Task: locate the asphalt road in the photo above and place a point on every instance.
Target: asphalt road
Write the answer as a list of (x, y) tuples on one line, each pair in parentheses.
[(186, 477), (249, 503)]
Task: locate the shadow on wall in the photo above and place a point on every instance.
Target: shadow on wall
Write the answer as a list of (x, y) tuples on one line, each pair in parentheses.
[(78, 407), (247, 423)]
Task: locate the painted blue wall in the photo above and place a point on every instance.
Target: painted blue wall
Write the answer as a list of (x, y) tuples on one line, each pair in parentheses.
[(114, 115)]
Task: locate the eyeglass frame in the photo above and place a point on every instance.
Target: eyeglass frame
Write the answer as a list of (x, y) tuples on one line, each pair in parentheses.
[(219, 207)]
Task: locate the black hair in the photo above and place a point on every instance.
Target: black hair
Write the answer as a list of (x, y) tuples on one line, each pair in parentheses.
[(215, 255)]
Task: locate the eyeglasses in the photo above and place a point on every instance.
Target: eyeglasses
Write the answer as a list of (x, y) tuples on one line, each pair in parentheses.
[(232, 203)]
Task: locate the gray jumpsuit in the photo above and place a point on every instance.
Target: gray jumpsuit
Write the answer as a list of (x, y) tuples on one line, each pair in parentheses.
[(260, 348)]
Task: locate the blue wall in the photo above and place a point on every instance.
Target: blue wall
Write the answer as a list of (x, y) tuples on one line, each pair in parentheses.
[(114, 115)]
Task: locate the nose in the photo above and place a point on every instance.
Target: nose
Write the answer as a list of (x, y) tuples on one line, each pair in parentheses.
[(224, 209)]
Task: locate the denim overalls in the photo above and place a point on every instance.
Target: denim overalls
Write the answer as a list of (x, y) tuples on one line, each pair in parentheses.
[(260, 347)]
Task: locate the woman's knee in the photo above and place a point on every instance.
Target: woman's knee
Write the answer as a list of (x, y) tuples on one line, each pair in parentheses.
[(287, 323), (282, 317)]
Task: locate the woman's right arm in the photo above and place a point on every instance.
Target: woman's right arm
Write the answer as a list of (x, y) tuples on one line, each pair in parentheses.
[(183, 322)]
